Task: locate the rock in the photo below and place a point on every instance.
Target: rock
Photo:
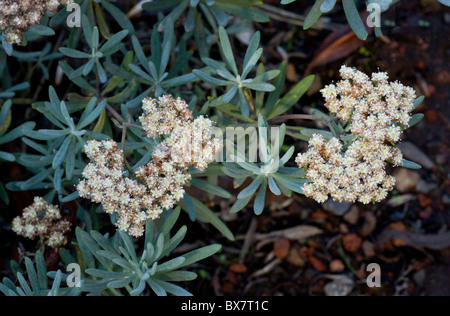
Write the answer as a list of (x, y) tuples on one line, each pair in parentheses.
[(341, 285), (291, 73), (352, 216), (420, 277), (238, 268), (337, 208), (281, 248), (406, 180), (401, 199), (295, 258), (442, 158), (317, 264), (368, 249), (343, 228), (427, 212), (425, 187), (351, 242), (370, 222), (446, 199), (424, 200), (337, 289), (337, 266), (413, 153)]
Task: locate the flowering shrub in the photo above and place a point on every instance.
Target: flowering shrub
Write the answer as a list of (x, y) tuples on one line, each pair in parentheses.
[(141, 115)]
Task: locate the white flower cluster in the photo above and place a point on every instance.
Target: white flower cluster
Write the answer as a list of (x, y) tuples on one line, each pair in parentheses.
[(189, 143), (106, 184), (376, 111), (161, 116), (357, 175), (158, 184), (43, 220), (375, 108), (17, 16)]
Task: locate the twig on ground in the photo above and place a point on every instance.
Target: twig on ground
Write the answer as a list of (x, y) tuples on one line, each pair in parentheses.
[(266, 269), (248, 239)]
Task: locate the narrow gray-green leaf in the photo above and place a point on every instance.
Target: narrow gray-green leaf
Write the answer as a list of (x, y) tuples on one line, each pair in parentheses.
[(200, 254), (211, 80), (118, 15), (227, 51), (258, 206), (170, 265), (230, 94), (352, 14), (92, 116), (416, 118), (313, 15), (42, 30), (410, 164), (292, 97), (61, 153), (259, 86), (251, 189), (220, 15), (273, 185), (327, 6), (73, 53), (418, 101), (32, 276), (114, 40), (211, 188)]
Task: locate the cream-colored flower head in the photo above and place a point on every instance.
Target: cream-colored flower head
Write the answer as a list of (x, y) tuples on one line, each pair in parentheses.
[(189, 142), (376, 108), (159, 184), (17, 16), (42, 220), (106, 183), (357, 175), (377, 111), (161, 116)]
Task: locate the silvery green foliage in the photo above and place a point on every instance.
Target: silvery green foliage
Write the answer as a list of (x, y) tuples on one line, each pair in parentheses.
[(152, 72), (56, 162), (215, 11), (113, 264), (8, 136), (270, 172), (5, 136), (351, 12), (36, 282), (384, 4), (236, 81)]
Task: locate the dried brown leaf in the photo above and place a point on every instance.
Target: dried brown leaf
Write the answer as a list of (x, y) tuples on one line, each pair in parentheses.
[(281, 248)]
